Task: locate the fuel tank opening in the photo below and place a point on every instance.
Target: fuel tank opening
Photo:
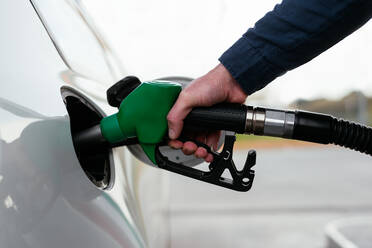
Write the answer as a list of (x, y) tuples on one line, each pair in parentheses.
[(96, 163)]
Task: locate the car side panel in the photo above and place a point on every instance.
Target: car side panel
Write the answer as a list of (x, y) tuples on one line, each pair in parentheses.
[(46, 200)]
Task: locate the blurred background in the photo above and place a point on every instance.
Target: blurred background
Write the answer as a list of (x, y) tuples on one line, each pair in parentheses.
[(300, 188)]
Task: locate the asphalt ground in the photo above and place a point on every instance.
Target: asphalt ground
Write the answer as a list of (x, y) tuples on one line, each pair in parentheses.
[(296, 192)]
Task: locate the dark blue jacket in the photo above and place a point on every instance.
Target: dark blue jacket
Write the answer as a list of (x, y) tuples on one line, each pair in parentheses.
[(292, 34)]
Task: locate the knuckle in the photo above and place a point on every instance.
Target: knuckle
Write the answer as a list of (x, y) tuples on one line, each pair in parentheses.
[(171, 118), (184, 97)]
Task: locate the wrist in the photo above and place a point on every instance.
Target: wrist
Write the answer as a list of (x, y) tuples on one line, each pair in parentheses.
[(223, 74), (234, 90)]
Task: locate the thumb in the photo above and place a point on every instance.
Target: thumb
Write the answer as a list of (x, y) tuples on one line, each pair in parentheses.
[(176, 115)]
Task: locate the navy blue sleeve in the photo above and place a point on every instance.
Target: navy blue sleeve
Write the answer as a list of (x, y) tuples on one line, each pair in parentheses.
[(292, 34)]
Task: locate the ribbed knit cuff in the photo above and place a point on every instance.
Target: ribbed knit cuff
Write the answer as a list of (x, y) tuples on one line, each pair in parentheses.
[(248, 67)]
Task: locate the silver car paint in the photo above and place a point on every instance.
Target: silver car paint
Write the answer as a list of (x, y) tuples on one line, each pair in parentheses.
[(46, 200)]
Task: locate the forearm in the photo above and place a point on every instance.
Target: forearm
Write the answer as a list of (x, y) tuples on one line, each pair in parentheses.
[(292, 34)]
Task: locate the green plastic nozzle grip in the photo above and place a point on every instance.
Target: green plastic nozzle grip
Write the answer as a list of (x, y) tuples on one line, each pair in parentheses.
[(143, 114)]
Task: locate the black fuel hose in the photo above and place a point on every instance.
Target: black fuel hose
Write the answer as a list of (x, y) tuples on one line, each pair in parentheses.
[(325, 129), (296, 125)]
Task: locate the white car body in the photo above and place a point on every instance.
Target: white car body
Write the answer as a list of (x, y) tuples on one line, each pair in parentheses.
[(46, 198)]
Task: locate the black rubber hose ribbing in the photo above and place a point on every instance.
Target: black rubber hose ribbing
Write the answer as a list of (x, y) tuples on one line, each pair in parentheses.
[(325, 129), (351, 135)]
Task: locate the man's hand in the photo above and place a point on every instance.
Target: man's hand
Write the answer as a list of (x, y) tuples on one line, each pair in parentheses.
[(216, 86)]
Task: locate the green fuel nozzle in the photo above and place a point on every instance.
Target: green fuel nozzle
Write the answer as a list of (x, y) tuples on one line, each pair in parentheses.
[(141, 119), (142, 114)]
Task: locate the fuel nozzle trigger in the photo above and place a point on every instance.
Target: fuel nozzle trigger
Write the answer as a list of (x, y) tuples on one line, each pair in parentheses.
[(241, 180)]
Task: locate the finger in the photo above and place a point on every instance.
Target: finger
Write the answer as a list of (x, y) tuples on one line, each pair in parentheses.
[(175, 144), (189, 148), (201, 152), (176, 115), (209, 158), (212, 139)]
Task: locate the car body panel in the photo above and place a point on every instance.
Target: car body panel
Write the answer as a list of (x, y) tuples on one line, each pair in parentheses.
[(46, 199)]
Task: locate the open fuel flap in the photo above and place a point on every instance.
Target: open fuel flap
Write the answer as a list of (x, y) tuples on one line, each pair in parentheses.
[(97, 163)]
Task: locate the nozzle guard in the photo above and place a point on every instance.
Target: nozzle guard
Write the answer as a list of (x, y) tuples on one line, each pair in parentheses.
[(241, 180)]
